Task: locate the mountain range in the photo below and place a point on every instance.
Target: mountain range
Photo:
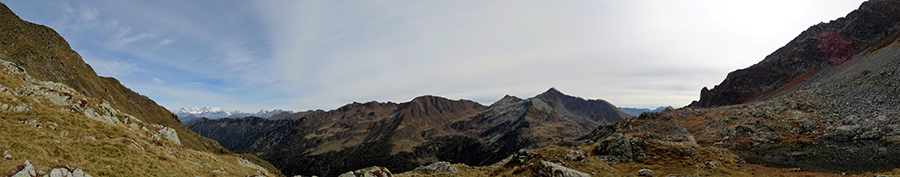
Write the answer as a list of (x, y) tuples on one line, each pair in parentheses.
[(638, 111), (403, 136), (188, 114)]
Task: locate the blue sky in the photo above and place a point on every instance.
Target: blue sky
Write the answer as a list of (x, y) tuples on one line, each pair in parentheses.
[(299, 55)]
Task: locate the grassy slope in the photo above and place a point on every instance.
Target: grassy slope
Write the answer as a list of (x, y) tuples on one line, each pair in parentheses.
[(47, 56)]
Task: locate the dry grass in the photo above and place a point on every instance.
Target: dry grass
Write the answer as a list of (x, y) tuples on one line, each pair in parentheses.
[(50, 137), (107, 156)]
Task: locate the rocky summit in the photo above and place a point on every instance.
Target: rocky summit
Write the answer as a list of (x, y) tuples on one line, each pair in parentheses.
[(407, 135), (60, 119)]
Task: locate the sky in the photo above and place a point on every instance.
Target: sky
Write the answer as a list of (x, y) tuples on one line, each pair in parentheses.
[(301, 55)]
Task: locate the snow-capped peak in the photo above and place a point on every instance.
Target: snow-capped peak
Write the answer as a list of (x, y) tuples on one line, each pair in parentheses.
[(215, 113)]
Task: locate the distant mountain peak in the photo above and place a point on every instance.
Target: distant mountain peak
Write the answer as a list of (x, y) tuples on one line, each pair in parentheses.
[(553, 92), (188, 114)]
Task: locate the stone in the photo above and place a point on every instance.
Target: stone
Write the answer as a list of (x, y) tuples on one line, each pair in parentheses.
[(168, 133), (645, 172), (616, 149), (79, 173), (27, 171), (685, 151), (437, 167), (551, 169), (374, 171), (6, 155), (57, 172), (709, 165), (520, 157)]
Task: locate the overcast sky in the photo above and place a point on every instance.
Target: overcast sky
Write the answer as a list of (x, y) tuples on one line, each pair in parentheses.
[(299, 55)]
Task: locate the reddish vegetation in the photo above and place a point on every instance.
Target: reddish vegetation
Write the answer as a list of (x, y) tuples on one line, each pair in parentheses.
[(836, 47)]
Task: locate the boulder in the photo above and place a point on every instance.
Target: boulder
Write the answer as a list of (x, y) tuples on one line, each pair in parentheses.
[(618, 148)]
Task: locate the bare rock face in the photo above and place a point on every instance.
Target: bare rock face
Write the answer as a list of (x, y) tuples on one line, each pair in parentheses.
[(821, 46)]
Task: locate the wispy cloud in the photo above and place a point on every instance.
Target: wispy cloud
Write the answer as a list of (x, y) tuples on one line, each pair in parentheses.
[(87, 14), (112, 67), (122, 41), (164, 42)]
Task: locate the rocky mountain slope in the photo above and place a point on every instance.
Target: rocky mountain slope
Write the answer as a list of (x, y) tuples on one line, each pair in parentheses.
[(822, 46), (406, 135), (60, 118)]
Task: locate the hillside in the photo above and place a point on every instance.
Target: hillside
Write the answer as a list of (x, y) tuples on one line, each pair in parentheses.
[(60, 117), (47, 57), (406, 135)]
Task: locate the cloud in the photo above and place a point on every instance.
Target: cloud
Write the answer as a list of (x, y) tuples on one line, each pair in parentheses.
[(112, 68), (164, 42), (122, 41), (87, 14)]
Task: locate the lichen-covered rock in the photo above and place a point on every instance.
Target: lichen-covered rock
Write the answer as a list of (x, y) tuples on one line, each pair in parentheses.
[(618, 148), (551, 169), (166, 132), (437, 167), (374, 171)]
